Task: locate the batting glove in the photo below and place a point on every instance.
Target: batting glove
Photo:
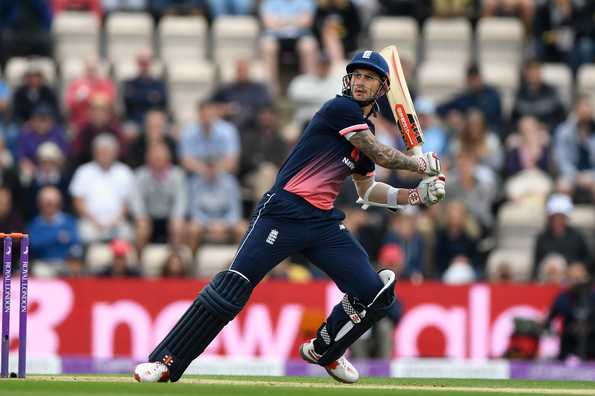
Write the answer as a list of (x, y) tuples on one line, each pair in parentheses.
[(430, 191), (428, 164)]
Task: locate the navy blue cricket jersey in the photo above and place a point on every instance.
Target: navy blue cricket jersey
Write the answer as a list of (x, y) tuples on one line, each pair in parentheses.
[(323, 157)]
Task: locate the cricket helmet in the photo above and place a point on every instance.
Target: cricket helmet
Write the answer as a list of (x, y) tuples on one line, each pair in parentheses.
[(371, 60)]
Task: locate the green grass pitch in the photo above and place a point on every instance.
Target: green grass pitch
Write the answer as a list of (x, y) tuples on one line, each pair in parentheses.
[(285, 386)]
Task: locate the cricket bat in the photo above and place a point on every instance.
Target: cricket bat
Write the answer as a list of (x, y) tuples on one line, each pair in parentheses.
[(401, 103)]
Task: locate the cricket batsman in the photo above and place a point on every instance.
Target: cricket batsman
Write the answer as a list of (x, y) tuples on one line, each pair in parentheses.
[(298, 215)]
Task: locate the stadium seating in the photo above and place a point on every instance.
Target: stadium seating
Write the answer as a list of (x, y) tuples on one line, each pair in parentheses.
[(518, 225), (98, 256), (500, 41), (519, 260), (402, 31), (440, 83), (182, 37), (127, 34), (15, 70), (76, 35), (560, 76), (211, 259), (447, 41), (505, 77), (234, 37), (585, 81), (189, 82)]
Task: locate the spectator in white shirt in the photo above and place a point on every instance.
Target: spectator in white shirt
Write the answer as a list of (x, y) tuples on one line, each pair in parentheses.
[(102, 191)]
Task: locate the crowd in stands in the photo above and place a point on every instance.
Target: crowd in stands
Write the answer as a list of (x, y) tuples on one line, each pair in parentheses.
[(102, 161)]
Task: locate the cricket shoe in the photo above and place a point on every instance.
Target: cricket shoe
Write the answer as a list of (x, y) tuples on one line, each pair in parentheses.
[(151, 372), (341, 370)]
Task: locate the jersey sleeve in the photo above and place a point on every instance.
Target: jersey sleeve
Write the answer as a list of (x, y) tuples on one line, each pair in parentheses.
[(344, 116)]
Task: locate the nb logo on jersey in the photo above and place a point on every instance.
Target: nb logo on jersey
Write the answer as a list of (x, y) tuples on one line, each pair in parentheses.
[(342, 227), (272, 236), (367, 54), (349, 163)]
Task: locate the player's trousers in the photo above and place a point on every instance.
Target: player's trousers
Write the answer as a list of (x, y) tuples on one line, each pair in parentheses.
[(283, 224)]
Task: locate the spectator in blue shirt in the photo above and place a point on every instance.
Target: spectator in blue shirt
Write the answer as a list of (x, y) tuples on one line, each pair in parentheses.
[(209, 137), (480, 95), (52, 233), (144, 92), (230, 7), (403, 231), (215, 207), (287, 27)]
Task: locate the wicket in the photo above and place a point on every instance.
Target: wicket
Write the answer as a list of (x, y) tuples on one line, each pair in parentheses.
[(7, 276)]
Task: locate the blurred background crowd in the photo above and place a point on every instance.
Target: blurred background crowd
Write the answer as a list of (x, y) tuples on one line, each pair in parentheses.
[(137, 135)]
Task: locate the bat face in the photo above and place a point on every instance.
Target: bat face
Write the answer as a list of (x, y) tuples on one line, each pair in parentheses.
[(401, 103)]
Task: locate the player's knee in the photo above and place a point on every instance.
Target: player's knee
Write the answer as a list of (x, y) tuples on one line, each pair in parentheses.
[(226, 294), (385, 296)]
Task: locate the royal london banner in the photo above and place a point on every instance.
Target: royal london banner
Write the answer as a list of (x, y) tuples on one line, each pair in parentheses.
[(104, 319)]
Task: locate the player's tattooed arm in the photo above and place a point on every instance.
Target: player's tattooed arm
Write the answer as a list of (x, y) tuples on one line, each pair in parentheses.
[(381, 154)]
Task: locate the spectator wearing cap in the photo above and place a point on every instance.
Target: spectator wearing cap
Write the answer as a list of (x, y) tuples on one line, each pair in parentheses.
[(477, 94), (81, 90), (50, 171), (122, 265), (144, 92), (33, 92), (460, 271), (103, 191), (51, 234), (241, 99), (391, 256), (560, 237), (209, 137), (436, 138), (215, 207)]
